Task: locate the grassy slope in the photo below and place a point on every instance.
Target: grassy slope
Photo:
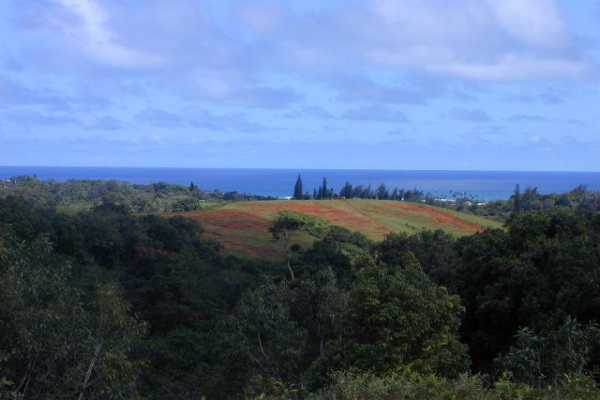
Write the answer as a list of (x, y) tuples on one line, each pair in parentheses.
[(243, 227)]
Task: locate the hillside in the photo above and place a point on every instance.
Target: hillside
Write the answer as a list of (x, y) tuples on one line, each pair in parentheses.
[(243, 227)]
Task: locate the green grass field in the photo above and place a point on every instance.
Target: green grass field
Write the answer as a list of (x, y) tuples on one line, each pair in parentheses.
[(243, 227)]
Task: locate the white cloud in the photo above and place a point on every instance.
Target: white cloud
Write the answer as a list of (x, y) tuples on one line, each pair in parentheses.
[(469, 39), (515, 67), (535, 22), (474, 39), (98, 40)]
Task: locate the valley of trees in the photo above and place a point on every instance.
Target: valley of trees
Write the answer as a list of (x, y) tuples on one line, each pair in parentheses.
[(110, 303)]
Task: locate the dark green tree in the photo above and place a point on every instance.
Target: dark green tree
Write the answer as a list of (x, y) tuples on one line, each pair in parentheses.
[(263, 331), (382, 192), (517, 199), (346, 191), (324, 192), (546, 358), (397, 317), (281, 229), (57, 341), (298, 190)]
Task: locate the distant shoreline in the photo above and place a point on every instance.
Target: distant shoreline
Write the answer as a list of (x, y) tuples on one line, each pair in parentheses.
[(480, 185)]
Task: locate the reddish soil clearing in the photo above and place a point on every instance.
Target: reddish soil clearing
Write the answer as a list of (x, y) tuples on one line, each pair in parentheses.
[(440, 217), (335, 216), (243, 227), (232, 219)]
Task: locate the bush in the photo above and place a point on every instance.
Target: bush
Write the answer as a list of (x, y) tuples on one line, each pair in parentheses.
[(409, 386)]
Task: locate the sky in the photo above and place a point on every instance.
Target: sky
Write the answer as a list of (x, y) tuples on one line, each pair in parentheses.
[(372, 84)]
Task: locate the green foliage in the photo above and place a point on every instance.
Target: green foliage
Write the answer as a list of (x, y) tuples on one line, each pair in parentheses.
[(298, 190), (435, 251), (288, 221), (546, 359), (173, 279), (264, 330), (81, 195), (531, 200), (57, 342), (280, 332), (366, 192), (350, 386), (104, 303), (544, 269), (398, 318)]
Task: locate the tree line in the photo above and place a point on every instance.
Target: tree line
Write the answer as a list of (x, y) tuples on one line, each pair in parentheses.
[(80, 195), (529, 200), (349, 191)]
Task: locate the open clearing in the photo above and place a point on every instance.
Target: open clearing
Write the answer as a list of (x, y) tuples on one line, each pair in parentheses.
[(243, 227)]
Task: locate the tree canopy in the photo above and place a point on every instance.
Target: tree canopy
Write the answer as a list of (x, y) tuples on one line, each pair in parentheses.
[(105, 303)]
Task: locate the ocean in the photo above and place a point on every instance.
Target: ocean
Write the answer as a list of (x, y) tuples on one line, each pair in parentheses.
[(483, 185)]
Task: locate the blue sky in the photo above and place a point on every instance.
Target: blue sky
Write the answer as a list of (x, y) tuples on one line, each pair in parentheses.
[(404, 84)]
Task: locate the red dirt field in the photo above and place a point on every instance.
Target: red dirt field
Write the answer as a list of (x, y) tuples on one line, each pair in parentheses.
[(335, 216), (441, 217), (243, 227), (232, 219)]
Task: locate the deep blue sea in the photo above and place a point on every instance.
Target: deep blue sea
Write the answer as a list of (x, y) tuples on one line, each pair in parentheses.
[(484, 185)]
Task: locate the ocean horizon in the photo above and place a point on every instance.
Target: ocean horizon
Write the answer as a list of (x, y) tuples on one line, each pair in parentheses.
[(482, 185)]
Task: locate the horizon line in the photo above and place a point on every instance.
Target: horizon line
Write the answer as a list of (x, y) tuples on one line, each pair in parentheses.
[(301, 169)]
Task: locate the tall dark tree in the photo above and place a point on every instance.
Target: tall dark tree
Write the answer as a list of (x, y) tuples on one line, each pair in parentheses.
[(382, 192), (517, 199), (298, 191), (281, 229), (346, 191), (324, 189)]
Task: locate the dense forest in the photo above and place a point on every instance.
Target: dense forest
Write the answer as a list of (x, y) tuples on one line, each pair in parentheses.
[(109, 302), (79, 195)]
